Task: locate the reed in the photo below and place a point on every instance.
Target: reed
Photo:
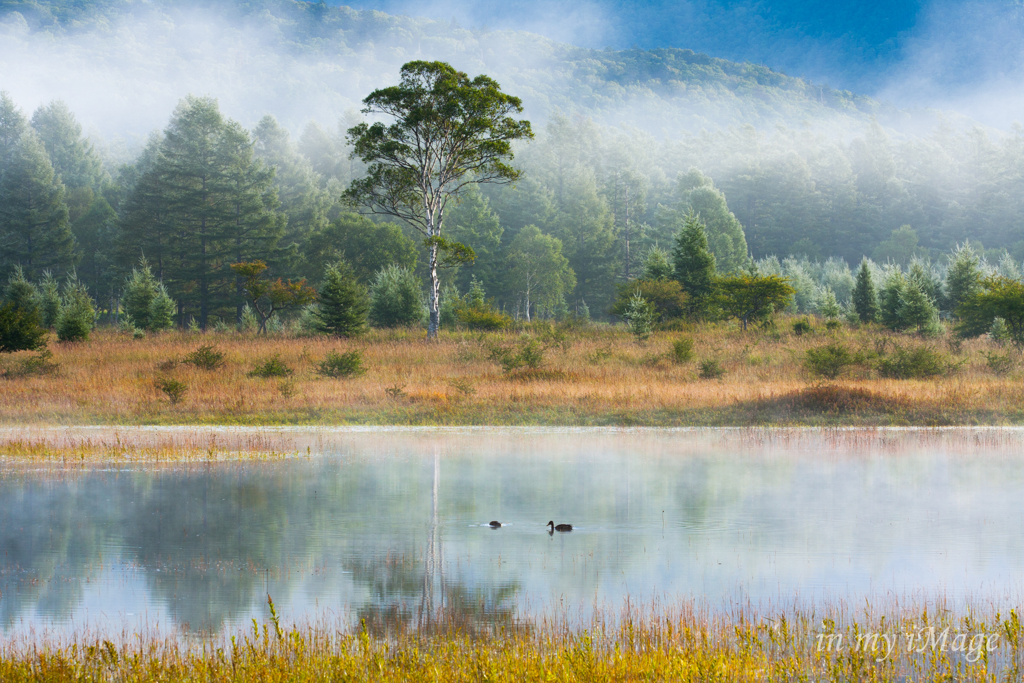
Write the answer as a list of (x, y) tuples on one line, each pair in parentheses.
[(595, 376), (677, 642)]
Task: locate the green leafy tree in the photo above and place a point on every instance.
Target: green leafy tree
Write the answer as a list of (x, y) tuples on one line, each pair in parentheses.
[(77, 312), (472, 222), (146, 300), (998, 297), (901, 247), (366, 245), (35, 231), (266, 297), (395, 298), (538, 272), (448, 133), (865, 298), (694, 265), (343, 302), (752, 298)]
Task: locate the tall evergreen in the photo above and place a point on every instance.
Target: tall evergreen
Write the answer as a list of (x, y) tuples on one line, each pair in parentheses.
[(73, 157), (726, 239), (12, 127), (202, 202), (694, 264), (865, 298), (343, 302), (34, 228)]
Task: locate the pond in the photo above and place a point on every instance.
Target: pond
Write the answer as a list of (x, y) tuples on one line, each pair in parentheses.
[(389, 526)]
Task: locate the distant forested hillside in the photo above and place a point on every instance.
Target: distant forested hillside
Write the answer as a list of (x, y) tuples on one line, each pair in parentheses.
[(627, 143)]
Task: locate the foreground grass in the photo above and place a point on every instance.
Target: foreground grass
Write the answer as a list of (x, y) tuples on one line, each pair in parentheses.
[(598, 376), (680, 643)]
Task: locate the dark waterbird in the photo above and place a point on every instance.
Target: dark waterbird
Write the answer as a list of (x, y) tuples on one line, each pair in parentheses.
[(559, 527), (495, 525)]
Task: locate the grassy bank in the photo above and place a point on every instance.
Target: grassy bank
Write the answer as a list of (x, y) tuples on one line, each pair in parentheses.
[(597, 376), (680, 643)]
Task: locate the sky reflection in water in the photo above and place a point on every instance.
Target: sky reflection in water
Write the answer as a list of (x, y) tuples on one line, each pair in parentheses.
[(388, 526)]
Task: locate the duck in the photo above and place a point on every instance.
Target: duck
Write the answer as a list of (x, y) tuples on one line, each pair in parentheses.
[(559, 527), (495, 525)]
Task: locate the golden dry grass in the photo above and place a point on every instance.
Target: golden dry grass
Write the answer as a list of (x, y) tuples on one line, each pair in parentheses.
[(599, 376), (680, 642)]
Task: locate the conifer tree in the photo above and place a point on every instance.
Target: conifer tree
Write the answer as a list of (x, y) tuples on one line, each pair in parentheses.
[(694, 264), (864, 298), (77, 312), (963, 278), (34, 228), (343, 302), (74, 160), (146, 300)]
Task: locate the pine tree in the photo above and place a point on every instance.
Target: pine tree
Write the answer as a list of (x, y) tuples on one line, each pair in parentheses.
[(34, 228), (890, 307), (864, 298), (74, 160), (77, 312), (656, 265), (12, 127), (726, 239), (395, 298), (963, 278), (916, 308), (694, 265), (49, 299), (21, 293), (343, 302), (146, 301)]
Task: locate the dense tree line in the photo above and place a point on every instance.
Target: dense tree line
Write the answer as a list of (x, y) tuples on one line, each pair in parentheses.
[(594, 211)]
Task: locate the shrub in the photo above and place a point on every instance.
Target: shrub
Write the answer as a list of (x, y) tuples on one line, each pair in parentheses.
[(77, 313), (833, 325), (20, 329), (272, 367), (999, 364), (175, 389), (395, 298), (206, 357), (711, 369), (529, 353), (39, 364), (482, 318), (829, 361), (922, 361), (802, 327), (666, 298), (682, 350), (338, 365)]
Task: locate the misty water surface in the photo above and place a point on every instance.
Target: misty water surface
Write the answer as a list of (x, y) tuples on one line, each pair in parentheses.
[(386, 526)]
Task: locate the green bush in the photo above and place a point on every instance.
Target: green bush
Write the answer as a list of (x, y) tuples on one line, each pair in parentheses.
[(77, 314), (999, 364), (395, 298), (20, 329), (528, 353), (338, 365), (833, 325), (829, 361), (682, 350), (482, 318), (174, 389), (206, 357), (915, 363), (272, 367), (711, 369), (639, 316), (802, 327)]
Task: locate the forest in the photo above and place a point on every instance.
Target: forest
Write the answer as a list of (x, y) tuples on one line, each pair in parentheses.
[(797, 180)]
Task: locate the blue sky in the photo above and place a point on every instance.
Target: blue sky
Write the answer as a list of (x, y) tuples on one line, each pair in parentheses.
[(909, 51)]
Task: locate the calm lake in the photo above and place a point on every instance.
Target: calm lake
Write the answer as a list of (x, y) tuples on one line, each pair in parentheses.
[(387, 525)]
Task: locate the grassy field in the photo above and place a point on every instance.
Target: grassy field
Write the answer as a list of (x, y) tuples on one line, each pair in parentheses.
[(595, 376), (678, 643)]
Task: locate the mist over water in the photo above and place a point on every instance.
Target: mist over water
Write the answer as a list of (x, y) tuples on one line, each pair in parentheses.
[(388, 526)]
